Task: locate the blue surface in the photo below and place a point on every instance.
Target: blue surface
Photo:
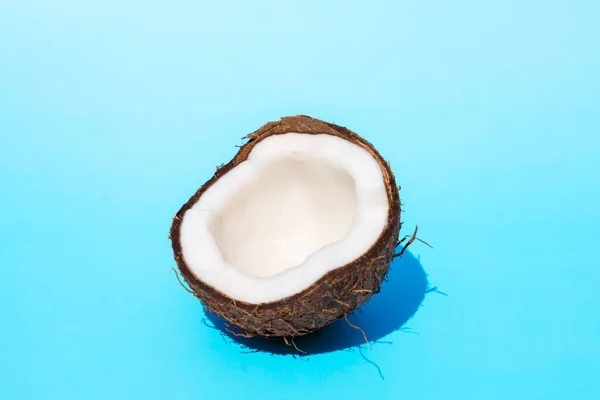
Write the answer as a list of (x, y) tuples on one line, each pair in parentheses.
[(113, 112)]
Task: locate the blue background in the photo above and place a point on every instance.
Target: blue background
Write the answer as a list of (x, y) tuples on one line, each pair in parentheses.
[(112, 113)]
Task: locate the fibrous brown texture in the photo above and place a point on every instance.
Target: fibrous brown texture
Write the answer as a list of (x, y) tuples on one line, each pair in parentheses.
[(337, 293)]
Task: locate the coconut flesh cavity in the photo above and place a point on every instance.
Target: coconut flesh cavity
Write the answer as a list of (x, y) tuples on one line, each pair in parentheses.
[(295, 232)]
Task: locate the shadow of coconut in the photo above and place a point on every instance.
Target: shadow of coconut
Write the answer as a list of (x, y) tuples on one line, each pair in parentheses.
[(387, 312)]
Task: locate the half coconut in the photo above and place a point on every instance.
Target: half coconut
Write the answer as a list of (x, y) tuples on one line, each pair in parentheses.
[(295, 232)]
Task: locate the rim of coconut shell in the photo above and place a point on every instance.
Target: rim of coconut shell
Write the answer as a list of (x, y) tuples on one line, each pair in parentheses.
[(386, 242)]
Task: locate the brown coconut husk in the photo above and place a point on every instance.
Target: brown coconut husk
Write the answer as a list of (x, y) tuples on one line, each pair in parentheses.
[(337, 293)]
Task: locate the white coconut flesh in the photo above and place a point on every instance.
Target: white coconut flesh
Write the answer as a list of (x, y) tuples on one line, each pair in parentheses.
[(300, 206)]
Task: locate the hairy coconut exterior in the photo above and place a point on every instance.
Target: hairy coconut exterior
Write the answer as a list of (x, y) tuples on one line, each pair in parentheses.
[(337, 293)]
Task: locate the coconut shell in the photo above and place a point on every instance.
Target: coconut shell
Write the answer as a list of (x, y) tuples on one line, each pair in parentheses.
[(338, 293)]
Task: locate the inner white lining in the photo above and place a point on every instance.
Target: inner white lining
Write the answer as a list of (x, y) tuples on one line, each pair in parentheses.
[(298, 207)]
